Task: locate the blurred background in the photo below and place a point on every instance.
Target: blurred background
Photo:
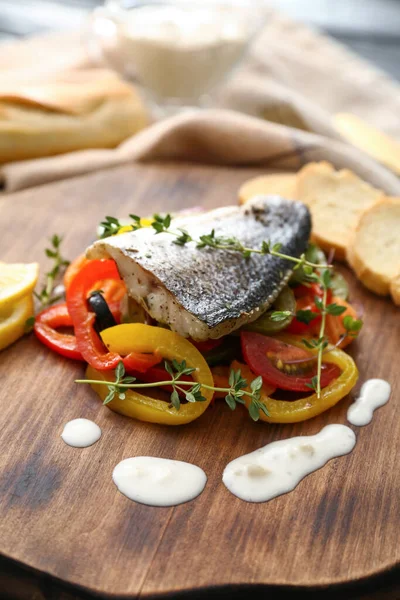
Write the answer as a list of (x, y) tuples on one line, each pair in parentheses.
[(370, 27)]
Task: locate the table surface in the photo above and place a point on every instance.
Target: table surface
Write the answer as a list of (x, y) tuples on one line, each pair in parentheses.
[(370, 27)]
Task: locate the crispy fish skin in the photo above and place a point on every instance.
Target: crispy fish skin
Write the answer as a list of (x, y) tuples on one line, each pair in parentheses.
[(207, 293)]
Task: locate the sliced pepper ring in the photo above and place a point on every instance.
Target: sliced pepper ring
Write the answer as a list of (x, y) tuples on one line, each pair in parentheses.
[(136, 337), (282, 411), (45, 328)]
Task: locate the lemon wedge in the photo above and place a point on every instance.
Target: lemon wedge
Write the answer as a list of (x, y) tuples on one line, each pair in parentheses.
[(13, 319), (16, 281)]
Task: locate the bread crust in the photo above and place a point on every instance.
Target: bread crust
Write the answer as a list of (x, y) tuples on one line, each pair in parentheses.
[(382, 277), (395, 289), (283, 184)]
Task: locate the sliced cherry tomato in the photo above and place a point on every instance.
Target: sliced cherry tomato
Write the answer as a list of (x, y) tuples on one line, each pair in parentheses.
[(46, 324), (281, 411), (88, 342), (267, 357)]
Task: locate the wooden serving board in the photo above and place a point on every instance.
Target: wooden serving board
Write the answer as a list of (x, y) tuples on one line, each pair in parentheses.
[(60, 512)]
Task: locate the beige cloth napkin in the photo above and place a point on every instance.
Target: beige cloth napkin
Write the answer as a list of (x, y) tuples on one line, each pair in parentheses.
[(275, 112)]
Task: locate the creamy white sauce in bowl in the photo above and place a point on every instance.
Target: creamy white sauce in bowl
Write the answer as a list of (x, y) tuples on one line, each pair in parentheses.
[(278, 467), (373, 394), (178, 51), (81, 433), (158, 481)]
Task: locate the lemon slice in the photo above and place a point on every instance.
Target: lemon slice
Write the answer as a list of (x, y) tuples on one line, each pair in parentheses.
[(13, 319), (16, 280)]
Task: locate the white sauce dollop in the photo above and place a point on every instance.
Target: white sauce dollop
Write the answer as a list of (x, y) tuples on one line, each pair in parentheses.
[(374, 393), (158, 481), (278, 467), (81, 433)]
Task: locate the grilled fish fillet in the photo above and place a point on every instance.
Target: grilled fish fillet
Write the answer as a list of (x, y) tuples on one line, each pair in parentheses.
[(207, 293)]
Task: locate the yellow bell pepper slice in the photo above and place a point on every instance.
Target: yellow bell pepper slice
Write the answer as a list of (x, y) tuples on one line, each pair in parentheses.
[(136, 337), (282, 411)]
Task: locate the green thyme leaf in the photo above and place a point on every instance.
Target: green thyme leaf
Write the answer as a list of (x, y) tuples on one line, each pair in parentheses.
[(352, 325), (280, 315), (326, 278), (335, 309), (46, 295), (168, 368), (175, 401), (306, 316), (120, 371), (319, 303), (230, 400), (254, 411), (29, 323), (110, 396), (256, 384), (313, 384), (265, 248)]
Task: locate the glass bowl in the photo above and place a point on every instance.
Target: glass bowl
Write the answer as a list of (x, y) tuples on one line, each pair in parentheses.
[(176, 50)]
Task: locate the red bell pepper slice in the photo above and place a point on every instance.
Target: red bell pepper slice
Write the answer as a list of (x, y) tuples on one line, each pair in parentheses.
[(46, 324), (159, 374), (88, 341), (135, 362)]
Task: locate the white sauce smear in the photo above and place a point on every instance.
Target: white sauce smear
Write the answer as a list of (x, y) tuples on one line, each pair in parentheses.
[(158, 481), (278, 467), (374, 393), (81, 433)]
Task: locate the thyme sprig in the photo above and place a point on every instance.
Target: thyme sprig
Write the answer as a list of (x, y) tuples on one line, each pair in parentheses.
[(235, 393), (46, 296), (112, 226), (161, 224)]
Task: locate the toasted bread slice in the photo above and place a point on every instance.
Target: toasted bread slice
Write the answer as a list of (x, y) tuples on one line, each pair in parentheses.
[(395, 289), (336, 200), (374, 252), (283, 184)]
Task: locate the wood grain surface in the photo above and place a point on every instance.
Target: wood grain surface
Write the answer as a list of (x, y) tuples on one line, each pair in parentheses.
[(60, 513)]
